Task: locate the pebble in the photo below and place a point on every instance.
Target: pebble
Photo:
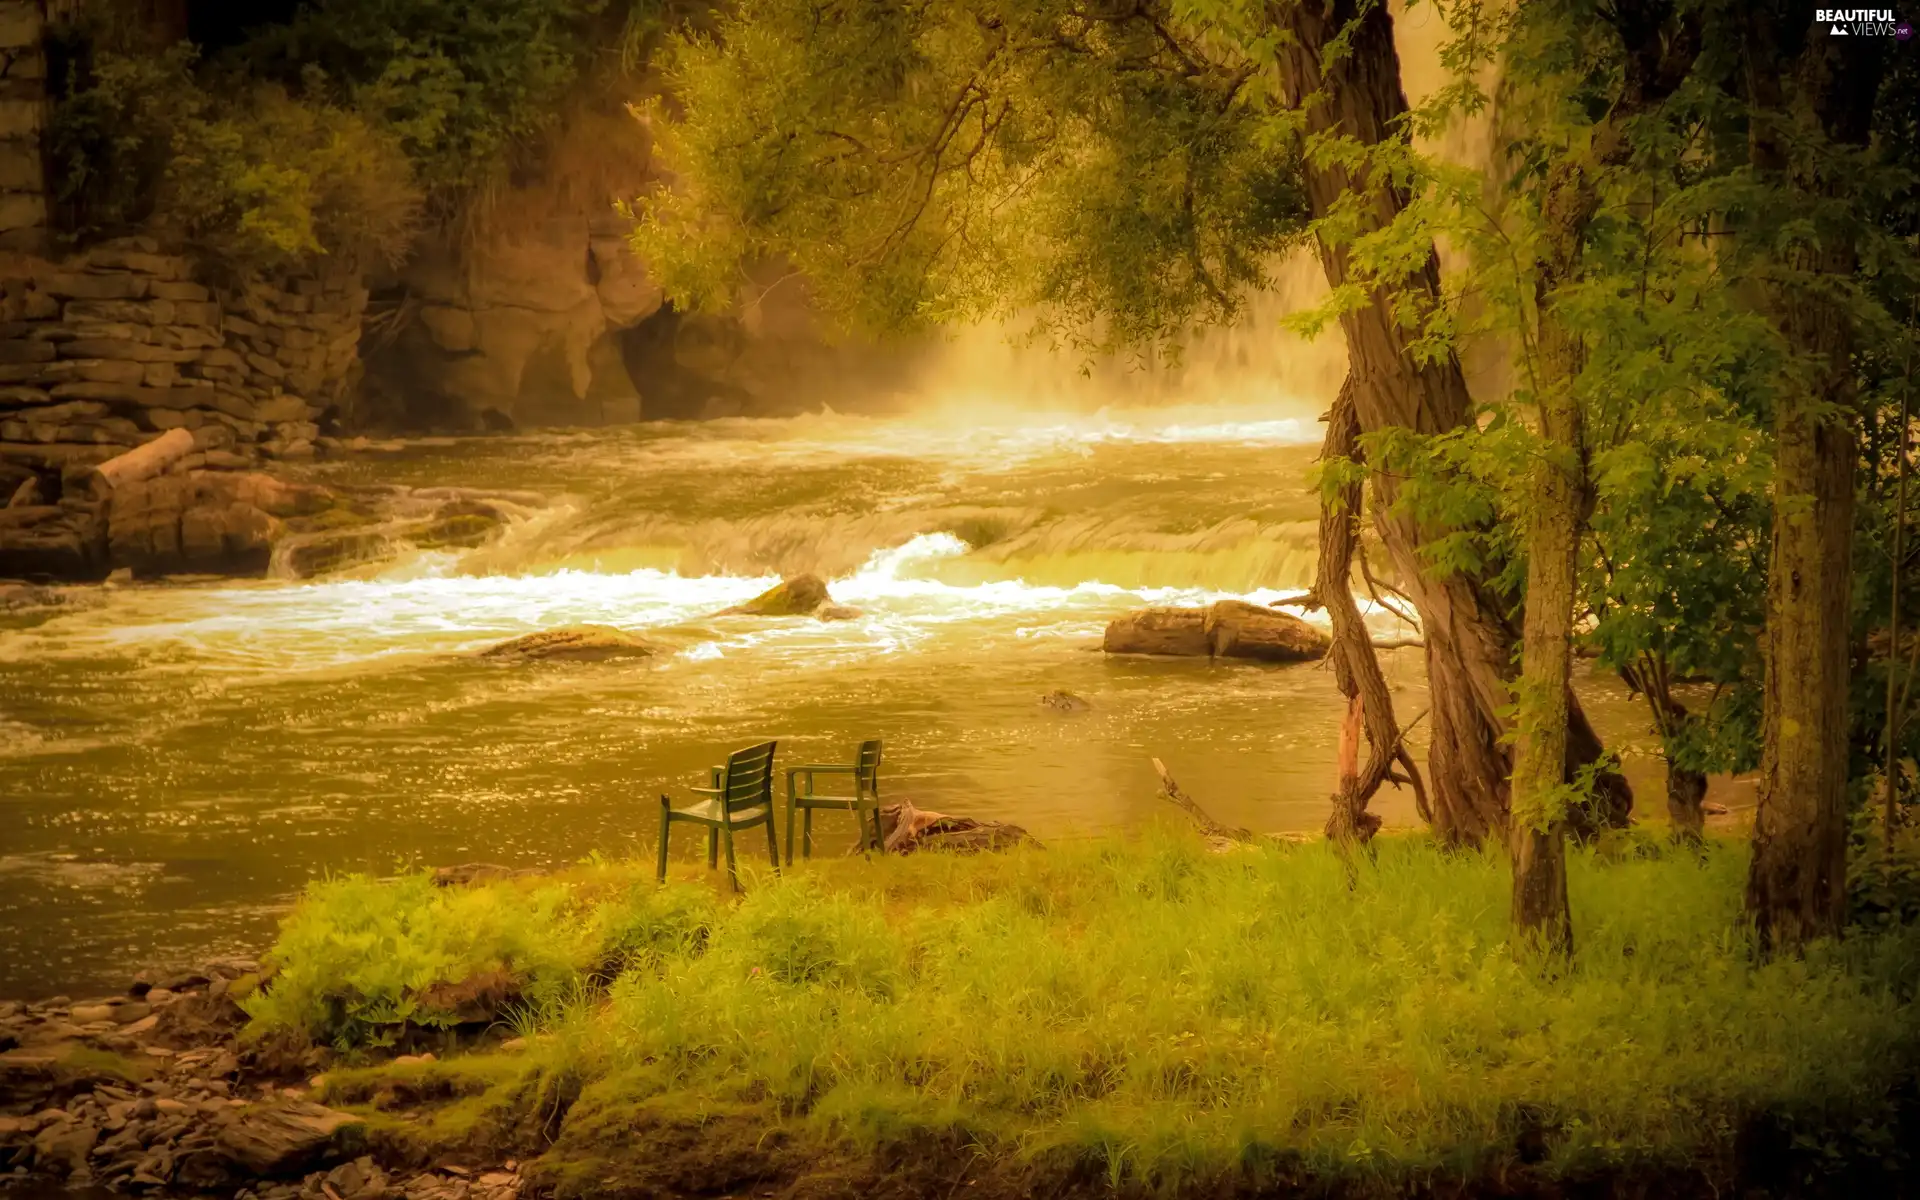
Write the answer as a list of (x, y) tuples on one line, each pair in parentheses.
[(92, 1014)]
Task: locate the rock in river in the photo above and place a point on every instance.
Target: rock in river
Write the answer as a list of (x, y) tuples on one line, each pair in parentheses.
[(1225, 629), (574, 643), (799, 596)]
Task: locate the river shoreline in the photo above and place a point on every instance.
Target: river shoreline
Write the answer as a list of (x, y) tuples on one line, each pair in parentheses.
[(495, 1077)]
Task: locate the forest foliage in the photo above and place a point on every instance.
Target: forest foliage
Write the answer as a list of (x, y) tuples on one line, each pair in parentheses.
[(338, 134)]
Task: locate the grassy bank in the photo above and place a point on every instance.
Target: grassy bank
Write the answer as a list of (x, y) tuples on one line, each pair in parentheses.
[(1127, 1013)]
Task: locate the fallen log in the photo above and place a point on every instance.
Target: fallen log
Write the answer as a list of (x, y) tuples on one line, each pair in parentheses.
[(143, 461), (1224, 629)]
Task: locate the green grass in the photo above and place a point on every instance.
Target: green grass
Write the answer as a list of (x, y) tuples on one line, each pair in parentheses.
[(1157, 1013)]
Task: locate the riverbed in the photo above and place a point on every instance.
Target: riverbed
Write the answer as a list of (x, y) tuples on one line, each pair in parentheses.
[(177, 759)]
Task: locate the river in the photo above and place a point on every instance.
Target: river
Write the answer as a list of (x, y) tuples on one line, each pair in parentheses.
[(176, 760)]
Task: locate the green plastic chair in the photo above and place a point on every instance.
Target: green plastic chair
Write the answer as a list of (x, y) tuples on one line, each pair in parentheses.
[(740, 798), (801, 798)]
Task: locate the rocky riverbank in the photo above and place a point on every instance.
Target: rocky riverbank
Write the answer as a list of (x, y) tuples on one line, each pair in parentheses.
[(153, 1092), (167, 508)]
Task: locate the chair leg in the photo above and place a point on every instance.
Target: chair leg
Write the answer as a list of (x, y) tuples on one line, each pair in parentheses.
[(733, 870), (773, 846), (661, 875), (790, 807), (713, 848), (806, 834), (879, 839)]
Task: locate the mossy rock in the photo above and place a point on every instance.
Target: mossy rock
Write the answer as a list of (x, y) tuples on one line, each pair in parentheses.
[(574, 643), (42, 1077), (800, 596), (479, 1106)]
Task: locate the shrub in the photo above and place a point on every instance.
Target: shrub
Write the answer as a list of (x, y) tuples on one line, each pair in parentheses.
[(357, 956), (462, 84), (247, 174)]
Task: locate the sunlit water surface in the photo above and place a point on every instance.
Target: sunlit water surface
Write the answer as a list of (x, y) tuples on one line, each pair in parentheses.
[(177, 760)]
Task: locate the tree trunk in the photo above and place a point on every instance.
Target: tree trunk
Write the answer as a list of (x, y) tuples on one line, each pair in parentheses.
[(1796, 884), (1356, 669), (1557, 490), (1686, 791), (1469, 641)]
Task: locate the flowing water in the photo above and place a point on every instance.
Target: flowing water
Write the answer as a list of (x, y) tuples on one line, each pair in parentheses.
[(177, 760)]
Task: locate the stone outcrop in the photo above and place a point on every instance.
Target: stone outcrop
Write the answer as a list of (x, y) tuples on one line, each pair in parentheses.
[(150, 513), (204, 522), (575, 643), (540, 314), (119, 343), (1225, 629)]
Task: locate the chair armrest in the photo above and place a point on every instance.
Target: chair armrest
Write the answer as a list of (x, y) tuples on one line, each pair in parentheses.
[(712, 791), (834, 769)]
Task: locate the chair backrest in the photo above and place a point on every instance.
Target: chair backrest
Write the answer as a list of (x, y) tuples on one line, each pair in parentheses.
[(866, 769), (748, 782)]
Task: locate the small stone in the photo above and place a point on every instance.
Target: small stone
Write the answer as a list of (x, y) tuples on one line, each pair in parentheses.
[(127, 1014), (91, 1014)]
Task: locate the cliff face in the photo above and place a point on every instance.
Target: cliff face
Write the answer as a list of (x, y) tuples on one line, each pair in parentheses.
[(534, 311)]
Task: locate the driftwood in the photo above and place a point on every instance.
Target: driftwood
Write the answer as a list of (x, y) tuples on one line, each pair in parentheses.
[(1211, 828), (143, 461), (905, 829)]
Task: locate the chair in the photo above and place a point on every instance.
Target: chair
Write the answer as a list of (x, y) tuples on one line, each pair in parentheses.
[(865, 770), (740, 798)]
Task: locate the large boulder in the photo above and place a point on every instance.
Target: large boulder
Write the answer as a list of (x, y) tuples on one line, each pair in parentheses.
[(1225, 629), (288, 1137), (200, 523), (575, 643), (800, 596)]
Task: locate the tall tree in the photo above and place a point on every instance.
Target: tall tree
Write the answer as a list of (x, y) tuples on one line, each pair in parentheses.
[(1809, 97), (1633, 55)]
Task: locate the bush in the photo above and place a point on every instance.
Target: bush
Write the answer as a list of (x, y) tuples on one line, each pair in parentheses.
[(247, 174), (461, 84), (356, 957), (274, 180)]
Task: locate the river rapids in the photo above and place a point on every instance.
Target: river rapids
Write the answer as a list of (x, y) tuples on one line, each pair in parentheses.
[(176, 760)]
